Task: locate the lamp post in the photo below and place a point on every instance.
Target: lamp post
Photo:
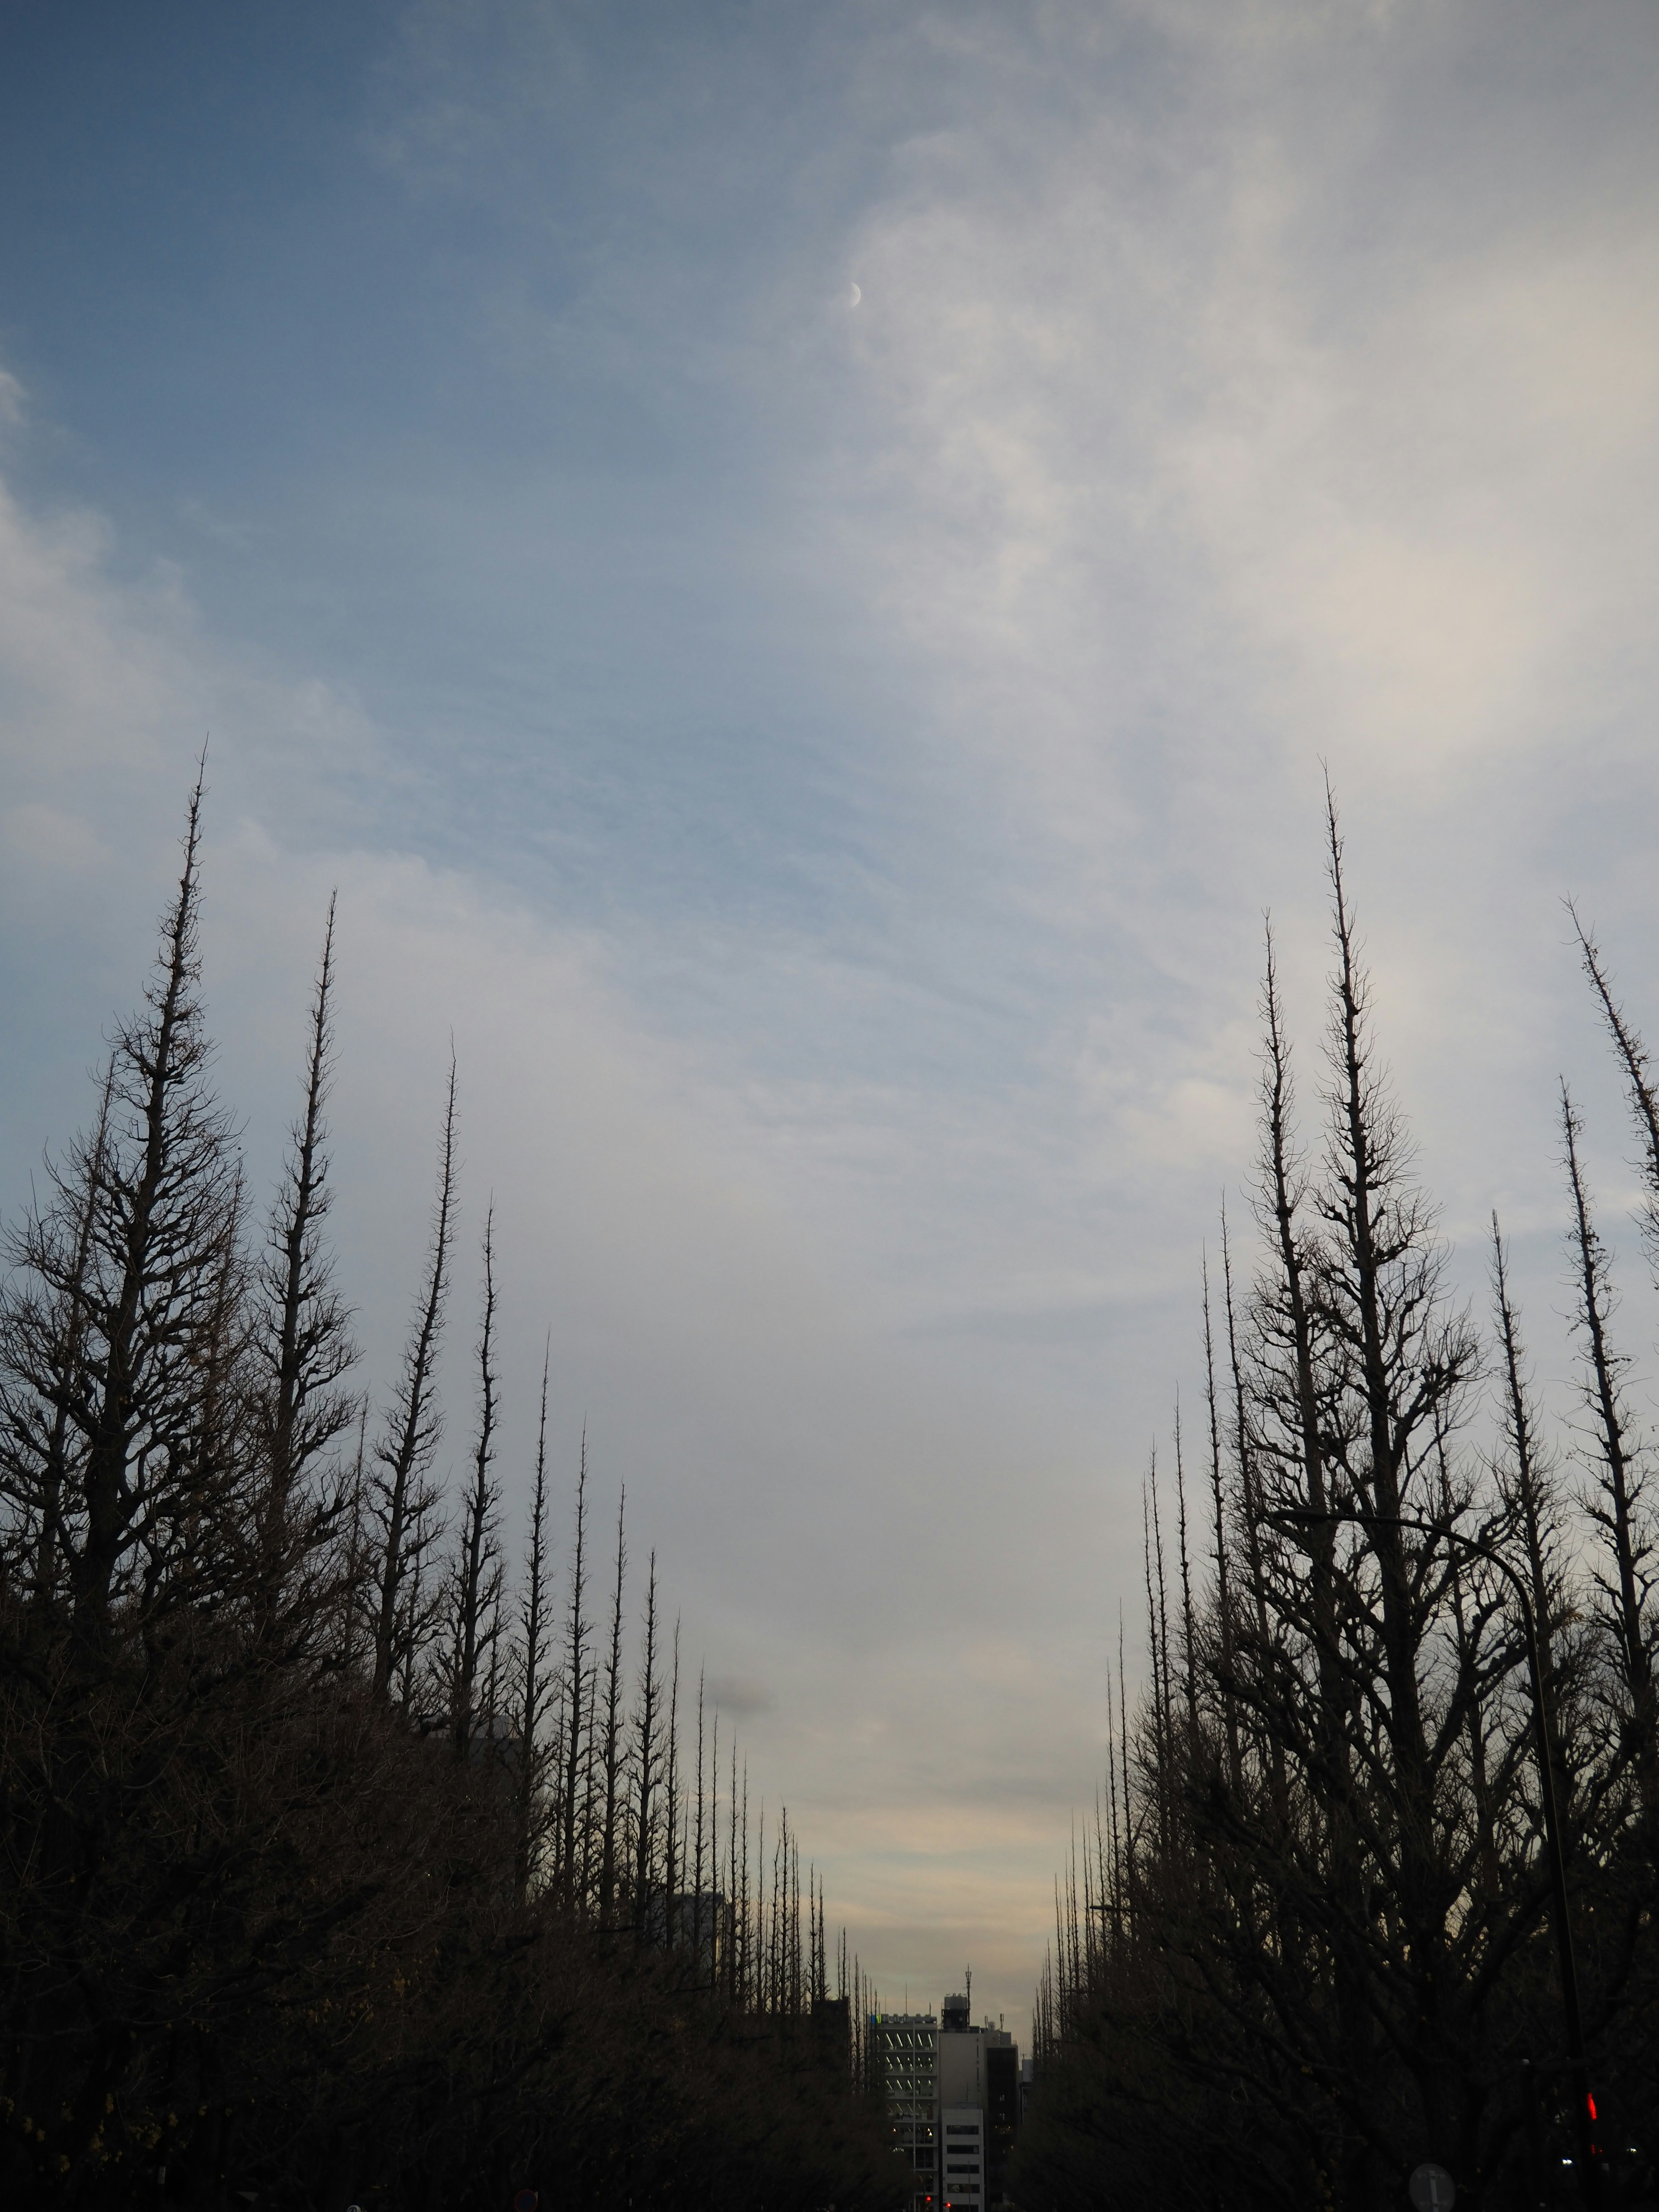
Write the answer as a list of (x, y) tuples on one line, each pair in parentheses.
[(1577, 2065)]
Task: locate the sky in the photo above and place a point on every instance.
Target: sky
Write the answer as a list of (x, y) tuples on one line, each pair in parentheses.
[(800, 568)]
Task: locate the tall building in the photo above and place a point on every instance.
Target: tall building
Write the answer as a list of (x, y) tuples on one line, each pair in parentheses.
[(1003, 2106), (832, 2033), (905, 2045), (951, 2092), (973, 2062)]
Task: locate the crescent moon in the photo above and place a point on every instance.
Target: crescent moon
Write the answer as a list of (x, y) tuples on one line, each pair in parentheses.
[(856, 296)]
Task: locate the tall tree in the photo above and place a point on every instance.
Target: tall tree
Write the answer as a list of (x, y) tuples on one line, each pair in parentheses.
[(122, 1311), (535, 1689), (1295, 1368), (610, 1742), (43, 1321), (302, 1336), (403, 1498), (1642, 1093), (1525, 1469), (1618, 1503), (672, 1857), (1225, 1681), (575, 1677), (236, 1936), (476, 1580), (647, 1759)]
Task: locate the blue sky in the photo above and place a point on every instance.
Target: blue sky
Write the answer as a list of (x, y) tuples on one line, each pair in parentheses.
[(798, 565)]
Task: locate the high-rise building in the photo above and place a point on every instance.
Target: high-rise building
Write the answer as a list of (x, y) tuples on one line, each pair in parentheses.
[(1003, 2106), (905, 2046), (973, 2150), (951, 2093)]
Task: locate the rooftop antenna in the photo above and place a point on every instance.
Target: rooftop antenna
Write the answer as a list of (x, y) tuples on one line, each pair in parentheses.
[(968, 1972)]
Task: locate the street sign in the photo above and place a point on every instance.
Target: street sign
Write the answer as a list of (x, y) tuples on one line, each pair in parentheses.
[(1433, 2190)]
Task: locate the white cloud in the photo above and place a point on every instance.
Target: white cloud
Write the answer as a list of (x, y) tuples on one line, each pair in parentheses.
[(803, 1475)]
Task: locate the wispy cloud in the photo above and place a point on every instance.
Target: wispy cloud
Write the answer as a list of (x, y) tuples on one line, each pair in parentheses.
[(826, 763)]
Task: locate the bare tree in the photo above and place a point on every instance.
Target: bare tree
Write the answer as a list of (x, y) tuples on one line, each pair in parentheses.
[(302, 1338), (647, 1759), (476, 1580), (673, 1858), (610, 1742), (125, 1299), (576, 1671), (43, 1335), (403, 1499), (1617, 1503), (698, 1877), (1643, 1096), (535, 1689), (1224, 1599), (252, 1922), (1525, 1471)]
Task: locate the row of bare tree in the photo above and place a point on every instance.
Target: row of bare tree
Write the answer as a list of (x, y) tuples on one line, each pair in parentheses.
[(1310, 1940), (337, 1863)]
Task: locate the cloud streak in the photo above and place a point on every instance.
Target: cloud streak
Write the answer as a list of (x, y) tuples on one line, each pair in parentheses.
[(826, 768)]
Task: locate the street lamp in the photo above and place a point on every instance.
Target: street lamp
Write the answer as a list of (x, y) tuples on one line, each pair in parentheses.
[(1577, 2066)]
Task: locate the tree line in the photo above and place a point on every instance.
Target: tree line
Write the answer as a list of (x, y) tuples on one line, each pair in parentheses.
[(1309, 1939), (340, 1860)]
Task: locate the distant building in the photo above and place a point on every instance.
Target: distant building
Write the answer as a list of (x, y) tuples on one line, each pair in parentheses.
[(1002, 2107), (974, 2065), (905, 2047), (691, 1920), (832, 2033), (962, 2062), (965, 2178), (952, 2094)]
